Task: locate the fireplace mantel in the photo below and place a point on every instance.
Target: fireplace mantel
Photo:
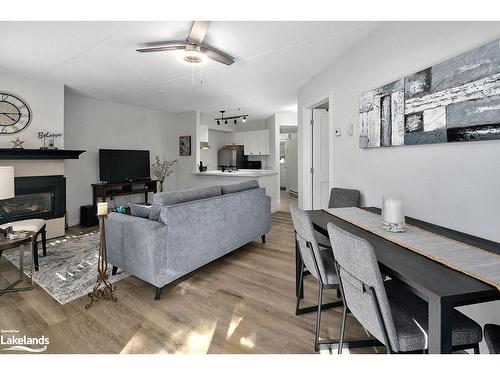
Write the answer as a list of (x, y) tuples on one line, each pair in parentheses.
[(38, 154)]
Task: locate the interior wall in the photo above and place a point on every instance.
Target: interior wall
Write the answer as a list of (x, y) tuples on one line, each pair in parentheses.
[(179, 125), (91, 124), (46, 103), (453, 185), (216, 140)]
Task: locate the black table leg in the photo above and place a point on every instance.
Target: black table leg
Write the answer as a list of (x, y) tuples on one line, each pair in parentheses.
[(440, 326), (34, 249), (299, 268)]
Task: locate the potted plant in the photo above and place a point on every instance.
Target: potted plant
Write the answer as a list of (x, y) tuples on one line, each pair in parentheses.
[(162, 169)]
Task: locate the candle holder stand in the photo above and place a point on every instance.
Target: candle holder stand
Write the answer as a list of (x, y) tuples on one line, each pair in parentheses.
[(103, 288)]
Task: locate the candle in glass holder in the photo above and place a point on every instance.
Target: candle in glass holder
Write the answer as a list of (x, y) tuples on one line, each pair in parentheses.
[(102, 209), (392, 211)]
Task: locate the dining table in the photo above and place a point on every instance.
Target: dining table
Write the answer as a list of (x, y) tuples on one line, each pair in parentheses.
[(442, 287)]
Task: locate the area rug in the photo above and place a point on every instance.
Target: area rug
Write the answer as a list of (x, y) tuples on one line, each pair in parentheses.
[(69, 270)]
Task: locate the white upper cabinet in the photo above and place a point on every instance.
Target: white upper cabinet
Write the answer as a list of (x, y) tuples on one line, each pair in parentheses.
[(230, 138), (203, 133), (239, 138), (257, 142)]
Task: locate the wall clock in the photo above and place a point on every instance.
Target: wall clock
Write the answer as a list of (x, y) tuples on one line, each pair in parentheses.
[(15, 115)]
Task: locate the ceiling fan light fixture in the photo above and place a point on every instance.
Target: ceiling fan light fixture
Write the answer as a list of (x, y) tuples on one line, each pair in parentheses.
[(235, 121), (244, 119), (225, 122), (218, 122), (192, 55)]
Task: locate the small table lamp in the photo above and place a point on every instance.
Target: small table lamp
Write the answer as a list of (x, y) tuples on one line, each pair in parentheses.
[(6, 188)]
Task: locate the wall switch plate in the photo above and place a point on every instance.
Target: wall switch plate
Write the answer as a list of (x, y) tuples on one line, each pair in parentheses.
[(338, 132), (350, 128)]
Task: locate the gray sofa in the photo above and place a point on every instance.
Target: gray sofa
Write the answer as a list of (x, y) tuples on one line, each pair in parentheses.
[(185, 230)]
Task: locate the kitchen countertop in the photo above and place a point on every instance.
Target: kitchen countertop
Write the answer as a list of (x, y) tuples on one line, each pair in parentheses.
[(239, 173)]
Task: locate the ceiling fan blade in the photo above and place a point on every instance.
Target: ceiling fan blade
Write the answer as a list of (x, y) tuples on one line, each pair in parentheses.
[(198, 32), (218, 56), (163, 47)]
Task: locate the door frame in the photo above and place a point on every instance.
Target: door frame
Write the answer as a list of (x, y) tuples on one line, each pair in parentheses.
[(306, 195)]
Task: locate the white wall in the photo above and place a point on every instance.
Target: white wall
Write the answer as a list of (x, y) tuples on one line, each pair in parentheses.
[(91, 124), (178, 125), (216, 140), (454, 185), (46, 102)]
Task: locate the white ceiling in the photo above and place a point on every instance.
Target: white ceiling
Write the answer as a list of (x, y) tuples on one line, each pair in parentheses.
[(98, 59)]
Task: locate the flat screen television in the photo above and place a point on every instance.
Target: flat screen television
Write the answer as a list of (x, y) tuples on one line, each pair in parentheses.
[(123, 165)]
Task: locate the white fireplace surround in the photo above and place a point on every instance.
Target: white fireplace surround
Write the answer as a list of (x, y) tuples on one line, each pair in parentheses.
[(27, 168)]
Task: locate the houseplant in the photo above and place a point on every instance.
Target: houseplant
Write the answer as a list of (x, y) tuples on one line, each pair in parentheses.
[(162, 169)]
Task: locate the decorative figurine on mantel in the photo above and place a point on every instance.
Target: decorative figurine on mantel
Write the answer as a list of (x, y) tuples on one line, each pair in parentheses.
[(162, 169), (106, 292), (17, 143), (51, 137)]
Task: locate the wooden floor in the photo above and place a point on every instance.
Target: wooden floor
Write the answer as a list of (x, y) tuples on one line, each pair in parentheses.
[(242, 303)]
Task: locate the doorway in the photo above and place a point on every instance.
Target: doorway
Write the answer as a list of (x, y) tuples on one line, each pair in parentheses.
[(320, 155)]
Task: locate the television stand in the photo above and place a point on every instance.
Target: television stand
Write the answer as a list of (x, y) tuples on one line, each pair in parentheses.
[(104, 190)]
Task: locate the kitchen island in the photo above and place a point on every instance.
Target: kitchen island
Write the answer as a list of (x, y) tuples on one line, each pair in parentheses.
[(267, 178)]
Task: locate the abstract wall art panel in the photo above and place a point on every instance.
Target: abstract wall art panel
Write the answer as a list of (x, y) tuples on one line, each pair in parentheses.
[(454, 101)]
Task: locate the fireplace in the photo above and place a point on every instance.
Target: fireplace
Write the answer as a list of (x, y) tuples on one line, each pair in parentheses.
[(38, 197)]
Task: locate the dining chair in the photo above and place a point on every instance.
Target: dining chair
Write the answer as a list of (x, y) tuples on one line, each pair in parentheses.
[(339, 198), (390, 312), (492, 337), (319, 263)]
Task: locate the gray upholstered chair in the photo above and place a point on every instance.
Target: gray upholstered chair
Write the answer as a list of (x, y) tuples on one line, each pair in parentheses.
[(492, 337), (320, 264), (390, 312), (339, 197)]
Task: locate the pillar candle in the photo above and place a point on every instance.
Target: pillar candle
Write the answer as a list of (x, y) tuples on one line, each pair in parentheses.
[(392, 211), (102, 209)]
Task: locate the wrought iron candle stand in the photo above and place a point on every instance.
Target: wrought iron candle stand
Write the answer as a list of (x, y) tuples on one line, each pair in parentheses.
[(103, 289)]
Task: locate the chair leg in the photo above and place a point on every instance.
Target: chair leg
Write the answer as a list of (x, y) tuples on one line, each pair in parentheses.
[(263, 237), (157, 292), (44, 242), (476, 349), (114, 270), (301, 282), (318, 316), (342, 329), (35, 252)]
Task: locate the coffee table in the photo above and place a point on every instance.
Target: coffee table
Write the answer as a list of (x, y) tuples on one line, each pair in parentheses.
[(22, 244)]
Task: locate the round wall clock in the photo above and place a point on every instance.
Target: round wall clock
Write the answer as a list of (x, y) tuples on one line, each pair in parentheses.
[(15, 115)]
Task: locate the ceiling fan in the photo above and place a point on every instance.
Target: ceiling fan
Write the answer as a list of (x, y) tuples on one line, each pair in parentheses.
[(196, 52)]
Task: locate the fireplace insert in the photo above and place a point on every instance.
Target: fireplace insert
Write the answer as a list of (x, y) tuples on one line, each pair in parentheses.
[(37, 197)]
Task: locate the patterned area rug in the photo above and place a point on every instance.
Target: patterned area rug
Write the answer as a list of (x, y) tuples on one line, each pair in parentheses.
[(69, 270)]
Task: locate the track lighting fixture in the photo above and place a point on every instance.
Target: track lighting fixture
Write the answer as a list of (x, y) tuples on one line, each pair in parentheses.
[(234, 118)]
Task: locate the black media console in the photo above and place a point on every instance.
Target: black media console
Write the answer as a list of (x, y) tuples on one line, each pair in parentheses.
[(102, 191)]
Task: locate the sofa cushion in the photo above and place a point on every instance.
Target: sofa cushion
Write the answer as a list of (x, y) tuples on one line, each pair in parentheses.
[(175, 197), (241, 186), (139, 210)]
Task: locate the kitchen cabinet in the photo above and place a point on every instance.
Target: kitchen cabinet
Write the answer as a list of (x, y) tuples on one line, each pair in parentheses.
[(203, 133), (255, 142)]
